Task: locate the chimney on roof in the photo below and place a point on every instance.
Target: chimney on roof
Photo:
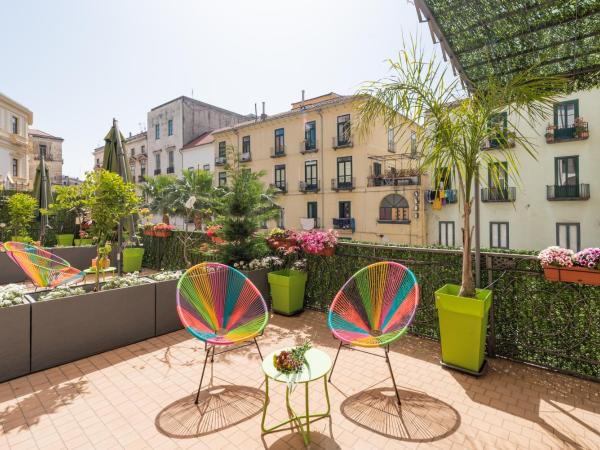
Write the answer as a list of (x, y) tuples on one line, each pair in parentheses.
[(302, 99), (130, 134), (263, 116)]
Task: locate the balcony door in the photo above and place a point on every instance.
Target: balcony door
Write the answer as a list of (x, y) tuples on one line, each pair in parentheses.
[(565, 114), (344, 172), (566, 174), (345, 210), (310, 175), (498, 180)]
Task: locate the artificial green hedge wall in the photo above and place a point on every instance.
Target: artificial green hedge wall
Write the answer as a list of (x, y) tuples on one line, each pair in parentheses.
[(167, 253)]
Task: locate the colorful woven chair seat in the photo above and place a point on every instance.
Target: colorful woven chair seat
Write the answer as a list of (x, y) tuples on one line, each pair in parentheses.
[(374, 308), (220, 306), (43, 268)]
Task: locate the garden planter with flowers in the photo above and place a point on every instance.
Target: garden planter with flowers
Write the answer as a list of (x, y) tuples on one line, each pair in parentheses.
[(167, 318), (285, 241), (15, 321), (163, 230), (561, 264), (317, 242), (287, 291)]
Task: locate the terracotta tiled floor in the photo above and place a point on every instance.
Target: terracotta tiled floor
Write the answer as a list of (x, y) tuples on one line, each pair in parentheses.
[(141, 396)]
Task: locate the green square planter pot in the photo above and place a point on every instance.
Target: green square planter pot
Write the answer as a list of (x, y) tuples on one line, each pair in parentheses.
[(80, 242), (132, 259), (463, 327), (64, 240), (287, 291)]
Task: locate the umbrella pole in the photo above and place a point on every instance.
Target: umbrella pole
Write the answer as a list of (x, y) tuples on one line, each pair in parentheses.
[(43, 197), (121, 158)]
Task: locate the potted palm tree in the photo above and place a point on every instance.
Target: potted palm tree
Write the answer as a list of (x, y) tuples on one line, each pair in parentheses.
[(453, 126)]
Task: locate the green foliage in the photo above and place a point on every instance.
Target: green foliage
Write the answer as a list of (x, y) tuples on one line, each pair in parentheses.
[(167, 253), (245, 205), (68, 202), (21, 212)]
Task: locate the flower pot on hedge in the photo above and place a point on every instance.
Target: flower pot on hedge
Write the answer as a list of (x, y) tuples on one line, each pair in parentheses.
[(167, 319), (574, 274), (14, 341), (162, 233), (71, 328), (287, 291), (149, 232), (260, 280), (463, 327), (64, 240), (132, 259)]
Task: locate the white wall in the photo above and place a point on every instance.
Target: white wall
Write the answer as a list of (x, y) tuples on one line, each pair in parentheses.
[(198, 157)]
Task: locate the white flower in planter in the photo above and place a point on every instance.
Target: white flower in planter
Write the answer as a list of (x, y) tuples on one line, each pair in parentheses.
[(11, 294), (129, 280), (62, 292), (167, 275)]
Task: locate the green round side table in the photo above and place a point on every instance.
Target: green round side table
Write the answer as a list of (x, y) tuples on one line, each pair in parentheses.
[(318, 365)]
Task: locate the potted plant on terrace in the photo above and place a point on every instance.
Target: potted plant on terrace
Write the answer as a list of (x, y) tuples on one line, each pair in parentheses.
[(318, 242), (562, 264), (21, 213), (452, 126), (287, 288)]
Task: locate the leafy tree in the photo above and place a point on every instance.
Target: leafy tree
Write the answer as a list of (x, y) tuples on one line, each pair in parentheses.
[(243, 207), (454, 126), (193, 195), (157, 192), (21, 212), (67, 199)]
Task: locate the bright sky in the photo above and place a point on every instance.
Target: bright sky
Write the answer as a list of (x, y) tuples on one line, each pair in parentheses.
[(77, 64)]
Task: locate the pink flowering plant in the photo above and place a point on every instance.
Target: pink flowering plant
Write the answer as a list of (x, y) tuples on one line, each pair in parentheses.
[(589, 258), (315, 241), (556, 256)]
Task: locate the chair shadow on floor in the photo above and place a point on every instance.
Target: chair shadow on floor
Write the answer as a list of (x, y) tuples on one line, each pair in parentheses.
[(420, 418), (320, 440), (219, 407)]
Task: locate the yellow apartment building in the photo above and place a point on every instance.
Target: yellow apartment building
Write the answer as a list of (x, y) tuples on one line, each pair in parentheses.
[(368, 188)]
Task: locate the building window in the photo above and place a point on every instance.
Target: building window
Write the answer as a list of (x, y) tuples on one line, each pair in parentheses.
[(157, 131), (142, 169), (499, 235), (132, 170), (280, 177), (344, 210), (157, 161), (565, 114), (568, 235), (132, 152), (97, 162), (171, 158), (311, 178), (413, 143), (15, 167), (498, 176), (343, 130), (170, 127), (143, 149), (14, 122), (446, 231), (206, 167), (393, 208), (310, 135), (344, 172), (279, 141), (498, 126), (391, 140), (246, 145), (311, 210), (222, 179), (43, 149), (566, 176), (222, 149)]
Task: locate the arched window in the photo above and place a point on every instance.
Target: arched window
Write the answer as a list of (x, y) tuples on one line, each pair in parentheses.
[(393, 208)]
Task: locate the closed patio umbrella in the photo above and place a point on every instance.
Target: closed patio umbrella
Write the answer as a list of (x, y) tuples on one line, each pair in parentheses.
[(42, 191), (115, 161)]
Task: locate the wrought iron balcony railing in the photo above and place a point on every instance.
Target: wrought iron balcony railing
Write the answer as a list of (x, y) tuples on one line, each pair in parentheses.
[(344, 224), (309, 186), (220, 160), (156, 171), (578, 132), (343, 183), (341, 142), (170, 169), (568, 192), (382, 180), (502, 194), (309, 147), (278, 152), (279, 186)]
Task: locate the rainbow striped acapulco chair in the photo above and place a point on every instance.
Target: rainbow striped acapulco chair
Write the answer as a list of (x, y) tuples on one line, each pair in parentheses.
[(374, 308), (43, 268), (220, 306)]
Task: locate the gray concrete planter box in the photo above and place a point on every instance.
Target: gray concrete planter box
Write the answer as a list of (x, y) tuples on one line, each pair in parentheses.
[(14, 341), (260, 280), (9, 271), (71, 328), (167, 319), (78, 257)]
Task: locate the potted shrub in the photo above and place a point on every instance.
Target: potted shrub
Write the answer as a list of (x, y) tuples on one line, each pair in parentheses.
[(454, 126), (318, 242), (132, 258), (581, 129), (282, 240), (561, 264), (162, 230), (167, 319), (287, 288), (14, 332), (21, 213), (550, 134)]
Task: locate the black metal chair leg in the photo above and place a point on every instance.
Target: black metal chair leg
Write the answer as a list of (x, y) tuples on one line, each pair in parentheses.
[(334, 361), (258, 348), (203, 369), (387, 360)]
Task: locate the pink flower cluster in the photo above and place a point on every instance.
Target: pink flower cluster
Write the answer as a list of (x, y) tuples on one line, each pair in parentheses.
[(589, 257), (164, 227), (556, 256), (315, 241)]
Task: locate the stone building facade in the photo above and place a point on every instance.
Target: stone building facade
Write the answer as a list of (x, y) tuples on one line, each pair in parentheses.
[(51, 146)]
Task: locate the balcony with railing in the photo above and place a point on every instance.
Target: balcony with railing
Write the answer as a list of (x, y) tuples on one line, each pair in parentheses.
[(309, 147), (445, 195), (578, 132), (309, 186), (279, 186), (278, 152), (501, 141), (141, 178), (170, 169), (501, 194), (344, 224), (393, 180), (568, 192), (308, 223), (341, 142), (220, 160), (343, 183), (246, 157), (157, 171)]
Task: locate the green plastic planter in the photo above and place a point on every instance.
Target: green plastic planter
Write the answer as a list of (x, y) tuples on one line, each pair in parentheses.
[(64, 240), (287, 291), (24, 239), (132, 259), (463, 327), (79, 242)]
